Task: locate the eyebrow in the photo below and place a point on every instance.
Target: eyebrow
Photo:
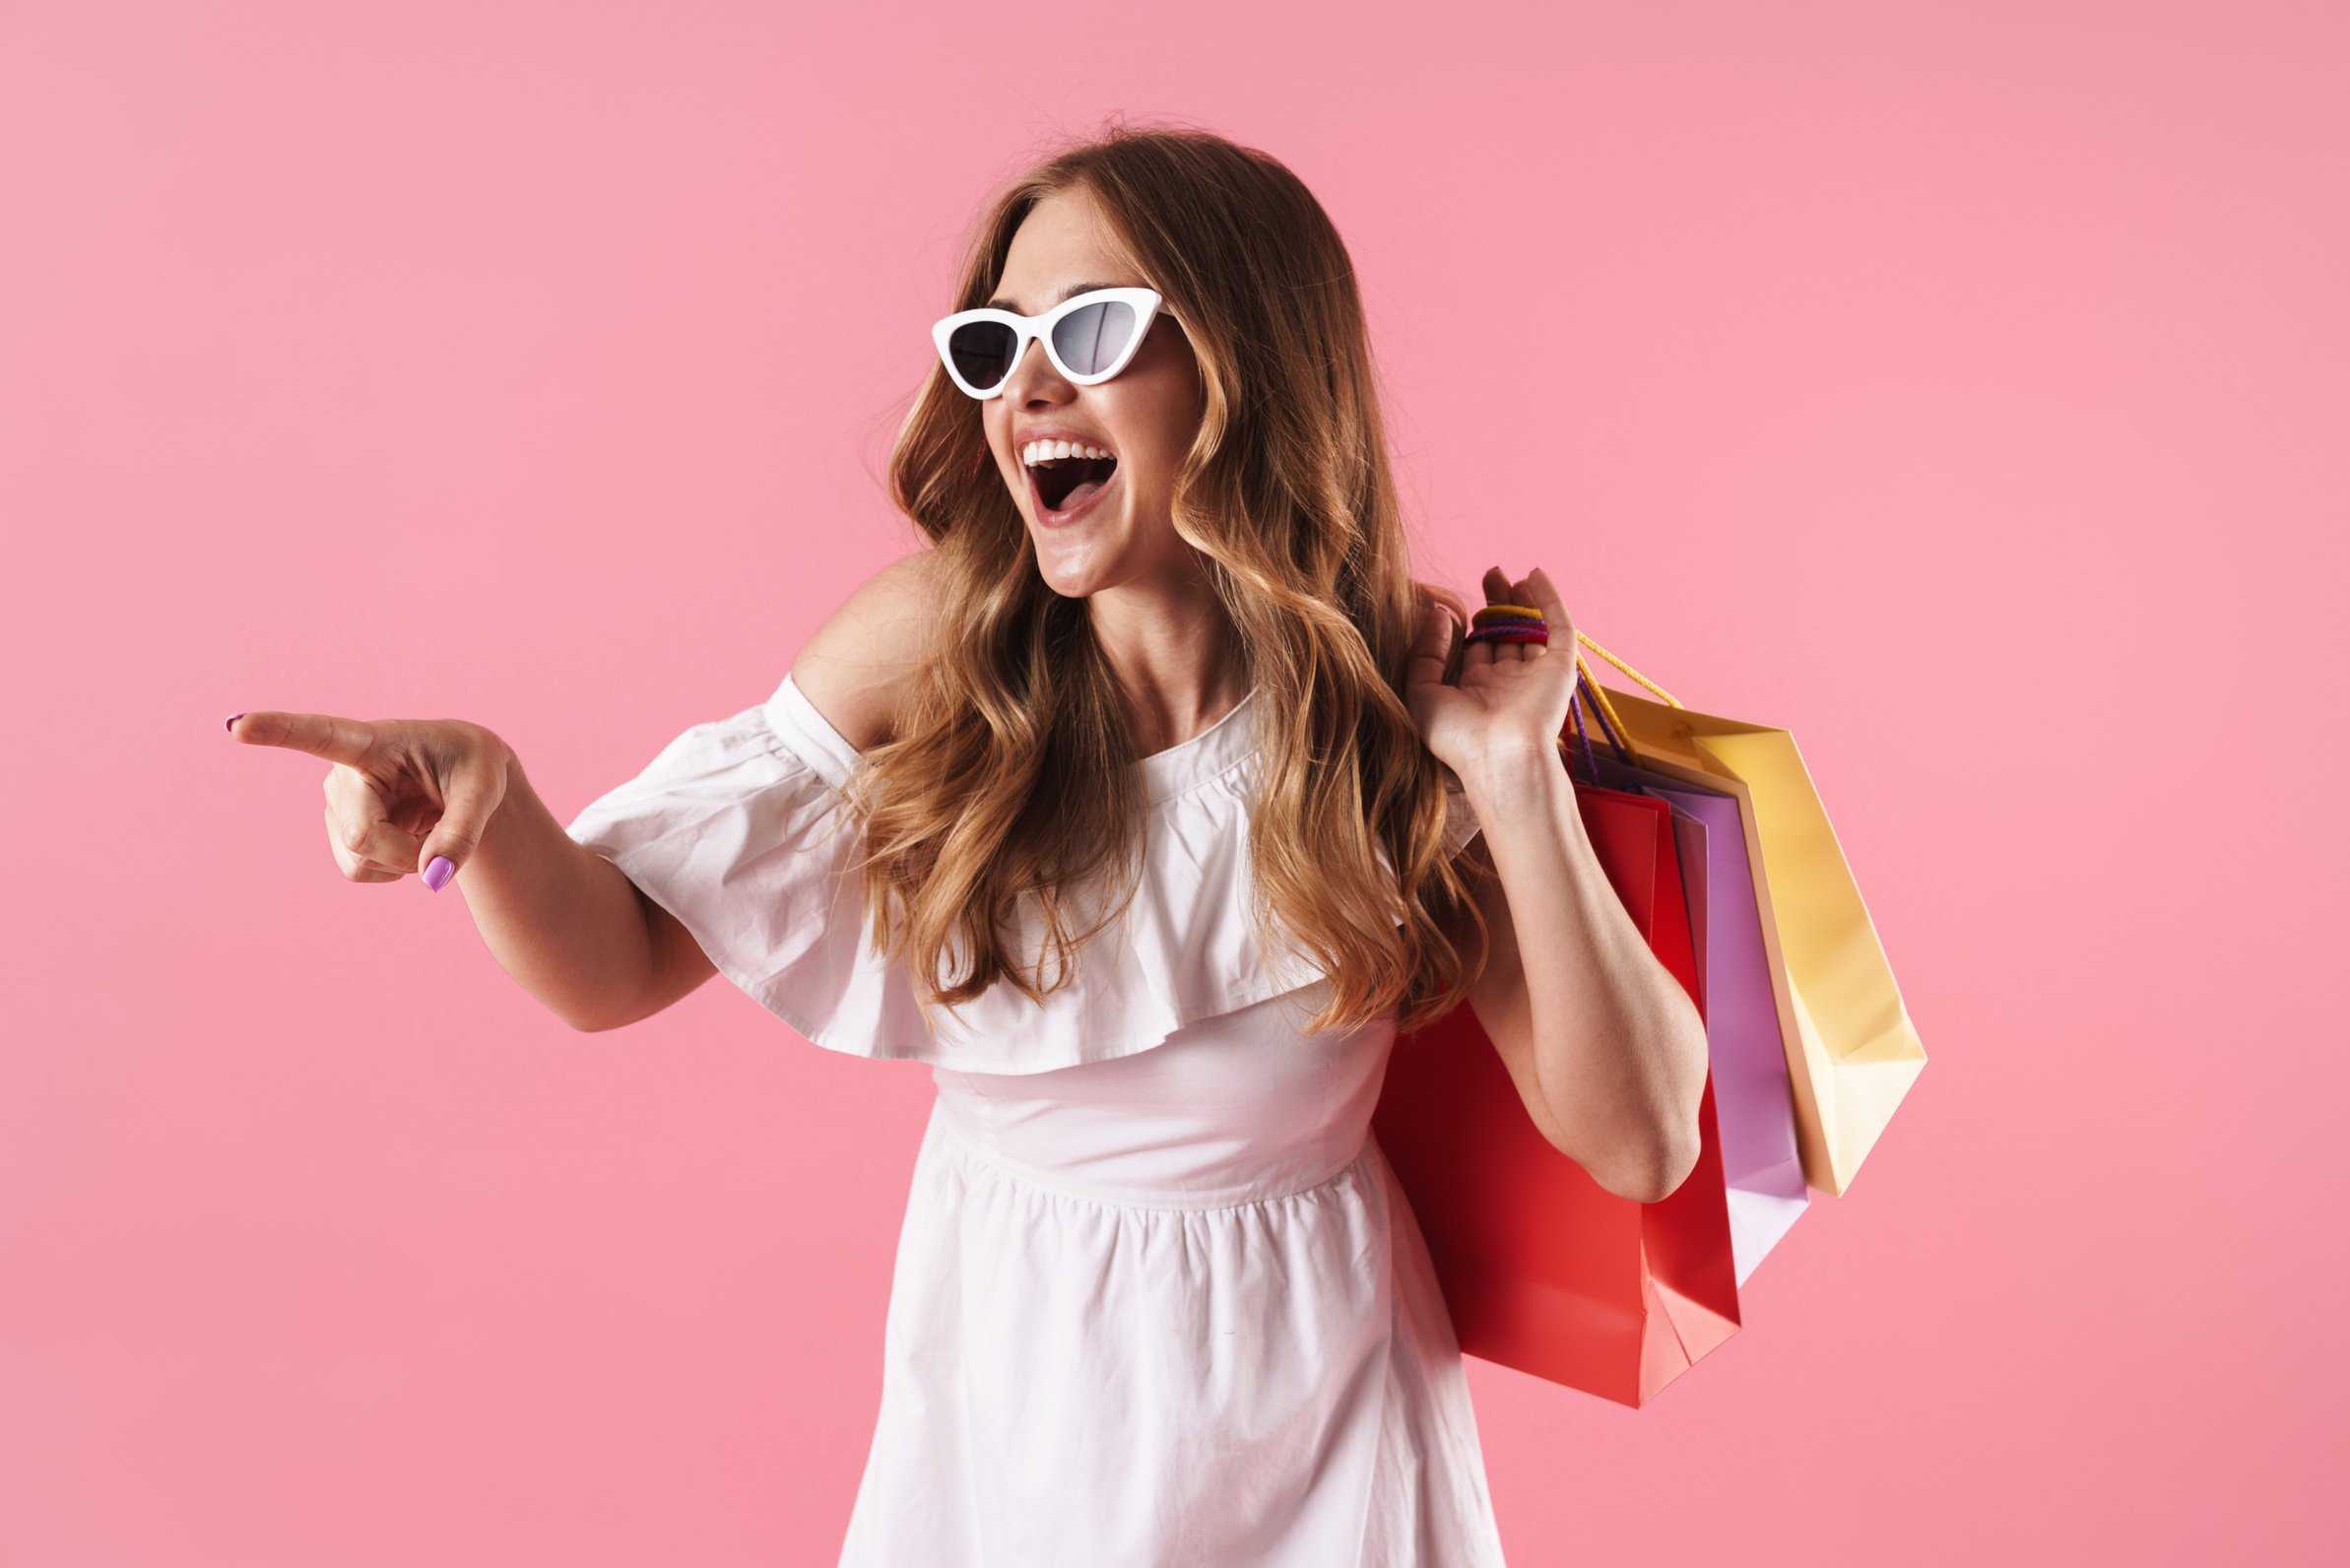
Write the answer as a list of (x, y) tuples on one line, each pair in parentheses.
[(1070, 292)]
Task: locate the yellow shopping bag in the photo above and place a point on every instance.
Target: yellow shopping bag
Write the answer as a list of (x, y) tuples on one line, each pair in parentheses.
[(1851, 1051)]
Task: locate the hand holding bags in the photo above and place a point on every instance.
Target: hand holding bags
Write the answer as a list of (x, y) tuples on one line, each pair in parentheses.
[(1540, 1266)]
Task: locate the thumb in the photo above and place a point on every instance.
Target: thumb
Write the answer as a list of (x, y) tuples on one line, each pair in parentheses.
[(472, 795)]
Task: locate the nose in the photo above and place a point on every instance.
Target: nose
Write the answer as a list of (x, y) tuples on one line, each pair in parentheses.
[(1035, 381)]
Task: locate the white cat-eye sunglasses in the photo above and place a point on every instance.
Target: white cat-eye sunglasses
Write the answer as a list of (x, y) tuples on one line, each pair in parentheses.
[(1090, 337)]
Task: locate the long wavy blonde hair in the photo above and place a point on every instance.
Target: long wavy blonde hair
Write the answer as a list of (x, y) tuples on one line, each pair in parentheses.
[(1009, 774)]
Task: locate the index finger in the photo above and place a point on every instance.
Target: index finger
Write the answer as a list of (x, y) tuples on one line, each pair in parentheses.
[(1544, 594), (338, 740), (1431, 649)]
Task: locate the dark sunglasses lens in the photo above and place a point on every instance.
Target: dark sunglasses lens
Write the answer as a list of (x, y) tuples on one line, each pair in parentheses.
[(1091, 340), (982, 351)]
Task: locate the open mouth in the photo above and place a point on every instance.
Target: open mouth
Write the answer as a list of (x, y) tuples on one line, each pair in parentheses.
[(1063, 483)]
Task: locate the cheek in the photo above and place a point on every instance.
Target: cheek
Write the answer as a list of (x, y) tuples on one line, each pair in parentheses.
[(1166, 421), (1161, 427), (992, 431), (1167, 457)]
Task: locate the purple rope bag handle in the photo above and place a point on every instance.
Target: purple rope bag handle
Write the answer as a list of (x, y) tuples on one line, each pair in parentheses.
[(1582, 737)]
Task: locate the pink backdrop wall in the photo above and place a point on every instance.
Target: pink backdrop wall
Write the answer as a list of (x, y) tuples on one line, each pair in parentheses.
[(1963, 390)]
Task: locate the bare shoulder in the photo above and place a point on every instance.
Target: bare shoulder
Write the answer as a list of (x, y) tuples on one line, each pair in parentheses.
[(855, 666)]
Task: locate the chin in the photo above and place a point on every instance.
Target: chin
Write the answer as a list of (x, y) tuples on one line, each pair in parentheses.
[(1068, 584), (1074, 569)]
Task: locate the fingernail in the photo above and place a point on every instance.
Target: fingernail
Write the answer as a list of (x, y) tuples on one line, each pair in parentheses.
[(233, 717), (437, 874)]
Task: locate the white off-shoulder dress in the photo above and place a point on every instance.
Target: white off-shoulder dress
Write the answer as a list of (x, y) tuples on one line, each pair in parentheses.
[(1159, 1299)]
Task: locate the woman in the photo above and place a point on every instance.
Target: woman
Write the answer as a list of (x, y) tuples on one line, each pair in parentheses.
[(1161, 701)]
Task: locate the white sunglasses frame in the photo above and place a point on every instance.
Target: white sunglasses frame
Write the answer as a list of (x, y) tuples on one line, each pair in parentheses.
[(1146, 304)]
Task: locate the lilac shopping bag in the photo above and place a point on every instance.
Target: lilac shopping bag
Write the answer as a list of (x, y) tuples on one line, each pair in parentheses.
[(1753, 1101)]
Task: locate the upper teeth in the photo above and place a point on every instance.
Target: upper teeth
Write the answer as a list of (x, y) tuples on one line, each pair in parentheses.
[(1046, 451)]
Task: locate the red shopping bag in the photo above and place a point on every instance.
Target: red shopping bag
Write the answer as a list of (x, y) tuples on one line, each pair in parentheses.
[(1543, 1268)]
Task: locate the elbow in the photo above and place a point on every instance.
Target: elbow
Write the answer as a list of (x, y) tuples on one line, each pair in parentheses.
[(1677, 1141), (1657, 1150), (1668, 1157), (587, 1023), (1676, 1164), (1658, 1176)]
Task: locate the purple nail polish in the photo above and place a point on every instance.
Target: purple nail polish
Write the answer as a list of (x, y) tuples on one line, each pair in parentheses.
[(437, 874), (233, 717)]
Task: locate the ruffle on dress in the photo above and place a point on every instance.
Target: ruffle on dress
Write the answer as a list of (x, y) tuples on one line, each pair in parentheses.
[(740, 828)]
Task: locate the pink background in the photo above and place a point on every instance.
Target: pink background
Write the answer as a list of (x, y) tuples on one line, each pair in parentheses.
[(1963, 391)]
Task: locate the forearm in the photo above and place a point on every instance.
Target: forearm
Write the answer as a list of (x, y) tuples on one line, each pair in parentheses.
[(560, 919), (1619, 1047)]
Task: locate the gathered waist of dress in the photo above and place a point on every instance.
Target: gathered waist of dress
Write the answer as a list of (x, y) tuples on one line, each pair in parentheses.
[(1235, 1109), (1140, 1183)]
